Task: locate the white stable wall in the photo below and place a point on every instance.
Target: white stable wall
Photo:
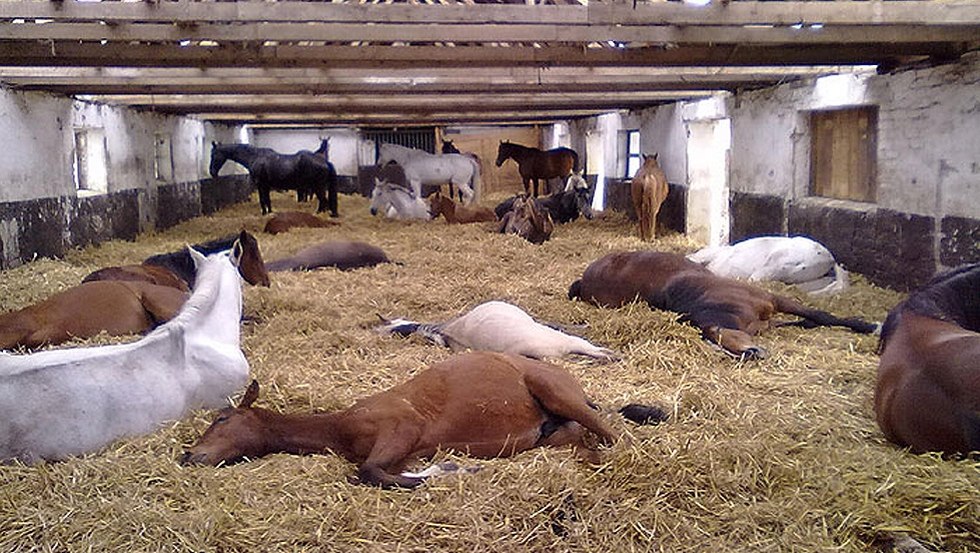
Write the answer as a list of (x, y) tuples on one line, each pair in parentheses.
[(928, 136)]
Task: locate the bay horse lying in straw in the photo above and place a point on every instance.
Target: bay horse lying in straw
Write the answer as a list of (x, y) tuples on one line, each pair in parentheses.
[(503, 327), (396, 202), (285, 220), (564, 206), (177, 269), (58, 403), (927, 395), (340, 254), (534, 164), (728, 312), (444, 407), (648, 190), (527, 220), (423, 168), (455, 213), (790, 259), (269, 170)]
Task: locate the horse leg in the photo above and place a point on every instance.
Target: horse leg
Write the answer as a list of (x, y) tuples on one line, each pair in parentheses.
[(821, 318), (734, 341), (265, 202), (560, 394), (393, 443), (332, 194)]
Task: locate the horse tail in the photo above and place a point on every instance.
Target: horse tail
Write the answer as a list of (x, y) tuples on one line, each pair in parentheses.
[(476, 178), (405, 327), (644, 414), (816, 317), (648, 221)]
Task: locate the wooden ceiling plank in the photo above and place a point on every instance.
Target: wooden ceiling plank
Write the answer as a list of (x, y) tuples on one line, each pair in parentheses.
[(908, 12), (429, 33)]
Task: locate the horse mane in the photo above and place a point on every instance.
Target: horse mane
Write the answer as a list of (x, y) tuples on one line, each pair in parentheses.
[(952, 296), (180, 261)]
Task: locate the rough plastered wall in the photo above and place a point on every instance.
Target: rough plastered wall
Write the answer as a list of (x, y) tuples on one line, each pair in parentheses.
[(42, 213), (927, 213)]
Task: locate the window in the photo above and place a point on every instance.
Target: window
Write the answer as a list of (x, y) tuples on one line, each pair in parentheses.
[(163, 166), (633, 157), (843, 147), (90, 161)]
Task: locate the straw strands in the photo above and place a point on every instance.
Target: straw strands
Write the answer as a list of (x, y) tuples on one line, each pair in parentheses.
[(775, 455)]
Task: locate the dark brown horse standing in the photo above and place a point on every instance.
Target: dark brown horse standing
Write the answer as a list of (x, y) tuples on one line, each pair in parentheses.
[(728, 312), (268, 169), (927, 395), (445, 407), (534, 164)]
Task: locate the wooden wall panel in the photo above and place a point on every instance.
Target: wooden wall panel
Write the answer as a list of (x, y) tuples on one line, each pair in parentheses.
[(842, 153)]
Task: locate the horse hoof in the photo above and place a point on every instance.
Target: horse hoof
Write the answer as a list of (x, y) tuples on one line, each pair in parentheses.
[(755, 352)]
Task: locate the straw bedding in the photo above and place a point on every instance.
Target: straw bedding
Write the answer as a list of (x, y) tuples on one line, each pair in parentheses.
[(775, 455)]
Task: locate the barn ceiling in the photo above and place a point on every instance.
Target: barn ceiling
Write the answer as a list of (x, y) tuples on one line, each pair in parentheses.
[(425, 62)]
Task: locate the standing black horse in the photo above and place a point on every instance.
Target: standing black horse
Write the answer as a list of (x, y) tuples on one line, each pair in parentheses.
[(304, 172), (534, 164), (449, 148)]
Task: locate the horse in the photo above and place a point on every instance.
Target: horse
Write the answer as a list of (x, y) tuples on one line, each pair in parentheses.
[(648, 189), (534, 164), (499, 326), (322, 151), (726, 311), (445, 407), (791, 259), (177, 269), (396, 202), (564, 206), (527, 220), (927, 394), (58, 403), (268, 169), (445, 206), (285, 220), (421, 167), (449, 148), (341, 254)]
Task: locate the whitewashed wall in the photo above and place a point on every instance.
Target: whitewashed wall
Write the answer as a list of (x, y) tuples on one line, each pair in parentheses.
[(928, 136)]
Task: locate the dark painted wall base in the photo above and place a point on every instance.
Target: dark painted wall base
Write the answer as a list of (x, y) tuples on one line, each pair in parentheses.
[(890, 248), (49, 227), (673, 212)]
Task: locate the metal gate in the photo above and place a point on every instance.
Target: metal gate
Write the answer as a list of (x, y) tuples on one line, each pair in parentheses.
[(421, 138)]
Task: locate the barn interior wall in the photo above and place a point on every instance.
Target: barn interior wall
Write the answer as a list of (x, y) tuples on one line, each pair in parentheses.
[(927, 213), (41, 212)]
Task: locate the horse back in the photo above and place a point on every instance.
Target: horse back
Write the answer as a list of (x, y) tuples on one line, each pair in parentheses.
[(927, 394), (621, 277)]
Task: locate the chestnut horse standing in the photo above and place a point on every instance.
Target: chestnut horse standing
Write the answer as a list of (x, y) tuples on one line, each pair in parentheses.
[(534, 164), (927, 395), (728, 312), (531, 404), (649, 190)]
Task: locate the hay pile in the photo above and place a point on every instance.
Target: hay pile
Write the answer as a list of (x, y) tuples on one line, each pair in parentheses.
[(775, 455)]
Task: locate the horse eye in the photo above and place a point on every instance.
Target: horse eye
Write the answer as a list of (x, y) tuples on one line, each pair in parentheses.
[(220, 419)]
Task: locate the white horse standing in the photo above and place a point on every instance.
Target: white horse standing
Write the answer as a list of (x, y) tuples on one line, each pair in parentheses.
[(396, 202), (58, 403), (793, 260), (503, 327), (421, 167)]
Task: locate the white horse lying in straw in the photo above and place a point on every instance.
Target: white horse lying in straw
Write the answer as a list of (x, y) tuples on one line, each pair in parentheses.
[(421, 167), (58, 403), (503, 327), (396, 202), (793, 260)]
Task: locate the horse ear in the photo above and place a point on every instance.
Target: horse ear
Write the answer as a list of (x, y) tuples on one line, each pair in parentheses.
[(656, 156), (214, 143), (197, 256), (237, 251), (251, 394)]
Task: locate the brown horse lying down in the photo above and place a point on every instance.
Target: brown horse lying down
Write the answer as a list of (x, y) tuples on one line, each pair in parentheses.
[(285, 220), (927, 396), (177, 269), (342, 254), (117, 307), (727, 311), (527, 220), (456, 213), (444, 407)]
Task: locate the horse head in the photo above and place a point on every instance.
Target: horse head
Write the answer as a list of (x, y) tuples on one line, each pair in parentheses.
[(249, 260), (235, 433), (449, 148), (218, 158), (504, 151)]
